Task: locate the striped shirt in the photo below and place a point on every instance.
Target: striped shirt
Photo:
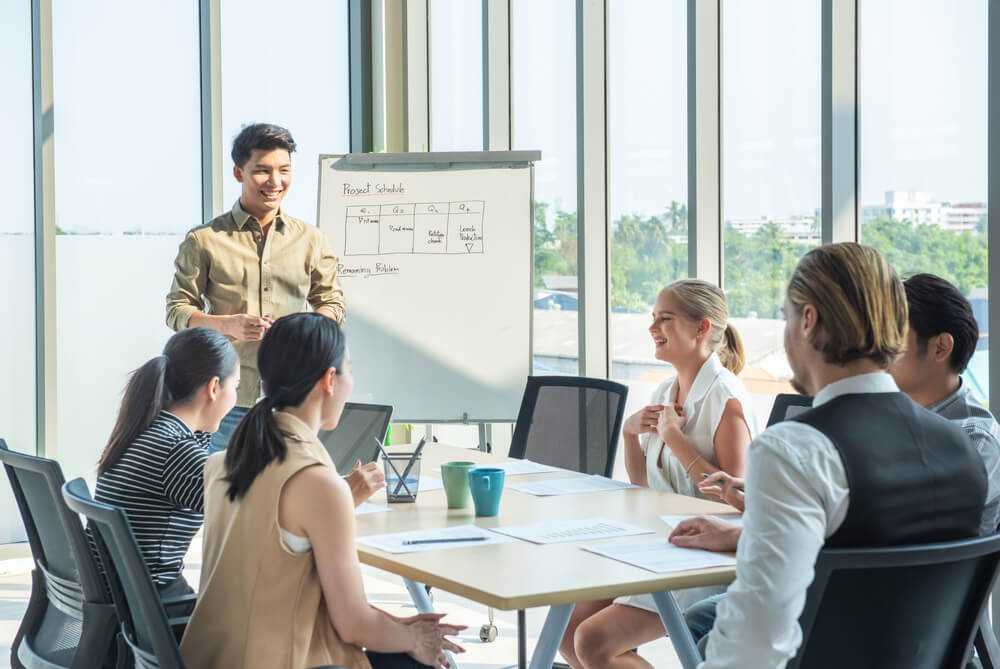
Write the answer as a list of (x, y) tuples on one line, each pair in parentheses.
[(159, 482), (963, 408)]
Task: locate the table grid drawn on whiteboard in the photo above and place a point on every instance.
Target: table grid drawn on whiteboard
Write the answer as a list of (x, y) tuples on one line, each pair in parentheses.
[(414, 227), (435, 261)]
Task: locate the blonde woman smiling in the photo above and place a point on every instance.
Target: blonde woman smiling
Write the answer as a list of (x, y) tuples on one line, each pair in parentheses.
[(698, 423)]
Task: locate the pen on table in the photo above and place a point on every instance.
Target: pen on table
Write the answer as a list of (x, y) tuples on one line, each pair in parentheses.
[(740, 488), (413, 542)]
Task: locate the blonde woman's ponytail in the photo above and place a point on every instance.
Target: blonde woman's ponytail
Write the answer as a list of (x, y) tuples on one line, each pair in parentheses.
[(731, 351)]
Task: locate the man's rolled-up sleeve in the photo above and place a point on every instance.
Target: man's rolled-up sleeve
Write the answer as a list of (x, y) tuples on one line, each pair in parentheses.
[(324, 293), (190, 276)]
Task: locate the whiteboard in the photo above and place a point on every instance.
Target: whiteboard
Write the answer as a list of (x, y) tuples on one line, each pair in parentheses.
[(435, 261)]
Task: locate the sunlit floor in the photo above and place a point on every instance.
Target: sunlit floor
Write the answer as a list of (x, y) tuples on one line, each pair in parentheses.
[(384, 590)]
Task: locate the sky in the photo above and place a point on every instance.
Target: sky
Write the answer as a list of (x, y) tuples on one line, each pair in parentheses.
[(127, 155)]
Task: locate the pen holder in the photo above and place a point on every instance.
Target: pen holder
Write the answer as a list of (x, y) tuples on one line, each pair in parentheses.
[(402, 477)]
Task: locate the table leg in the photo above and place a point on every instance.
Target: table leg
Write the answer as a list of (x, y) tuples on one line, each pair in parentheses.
[(677, 629), (420, 598), (552, 633), (522, 641)]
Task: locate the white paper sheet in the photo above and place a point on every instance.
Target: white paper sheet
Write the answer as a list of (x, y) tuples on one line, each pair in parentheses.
[(518, 467), (570, 486), (674, 520), (393, 543), (365, 508), (660, 556), (572, 530)]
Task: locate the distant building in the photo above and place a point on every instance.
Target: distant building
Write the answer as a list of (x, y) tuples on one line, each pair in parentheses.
[(799, 229), (920, 208)]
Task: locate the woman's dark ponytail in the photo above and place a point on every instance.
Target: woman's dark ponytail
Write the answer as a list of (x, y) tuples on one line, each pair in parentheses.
[(145, 395), (191, 358), (295, 354)]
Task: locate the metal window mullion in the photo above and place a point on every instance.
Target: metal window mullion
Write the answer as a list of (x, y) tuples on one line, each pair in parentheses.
[(592, 188), (417, 77), (496, 75), (993, 202), (359, 22), (704, 86), (388, 75), (210, 73), (839, 46), (43, 146)]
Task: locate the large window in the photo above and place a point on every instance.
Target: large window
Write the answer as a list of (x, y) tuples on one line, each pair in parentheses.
[(128, 172), (295, 75), (456, 75), (17, 251), (543, 111), (771, 171), (923, 145), (647, 157)]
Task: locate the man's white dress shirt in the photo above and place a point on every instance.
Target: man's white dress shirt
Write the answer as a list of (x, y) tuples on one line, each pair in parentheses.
[(796, 497)]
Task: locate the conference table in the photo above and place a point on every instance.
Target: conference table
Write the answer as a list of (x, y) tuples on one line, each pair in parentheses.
[(519, 575)]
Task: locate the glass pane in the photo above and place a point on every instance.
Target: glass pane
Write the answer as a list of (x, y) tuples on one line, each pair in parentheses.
[(543, 110), (771, 172), (17, 252), (456, 75), (647, 154), (128, 168), (923, 156), (300, 82)]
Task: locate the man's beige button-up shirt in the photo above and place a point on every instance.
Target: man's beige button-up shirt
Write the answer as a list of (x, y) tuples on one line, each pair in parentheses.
[(227, 267)]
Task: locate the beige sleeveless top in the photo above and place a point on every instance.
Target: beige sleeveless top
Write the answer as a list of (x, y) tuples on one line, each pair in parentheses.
[(260, 604)]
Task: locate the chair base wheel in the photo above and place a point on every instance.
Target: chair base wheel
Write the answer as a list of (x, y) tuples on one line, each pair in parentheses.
[(488, 633)]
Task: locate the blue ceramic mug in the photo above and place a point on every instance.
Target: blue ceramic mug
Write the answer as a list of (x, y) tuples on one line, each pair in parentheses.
[(486, 484)]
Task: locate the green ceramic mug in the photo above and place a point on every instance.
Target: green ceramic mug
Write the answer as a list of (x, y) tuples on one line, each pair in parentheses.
[(455, 476)]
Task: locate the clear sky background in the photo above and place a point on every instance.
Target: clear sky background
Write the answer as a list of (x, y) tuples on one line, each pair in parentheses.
[(127, 124)]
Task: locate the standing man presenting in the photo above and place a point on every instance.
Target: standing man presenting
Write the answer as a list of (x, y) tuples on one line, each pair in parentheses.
[(253, 264)]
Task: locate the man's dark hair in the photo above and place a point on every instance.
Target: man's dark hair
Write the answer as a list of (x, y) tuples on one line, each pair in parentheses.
[(936, 306), (263, 136)]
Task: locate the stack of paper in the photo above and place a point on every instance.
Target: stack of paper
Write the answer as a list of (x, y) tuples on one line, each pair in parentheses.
[(458, 536), (660, 556), (572, 530), (570, 486)]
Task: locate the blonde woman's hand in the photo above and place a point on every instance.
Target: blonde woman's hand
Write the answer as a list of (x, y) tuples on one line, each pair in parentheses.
[(429, 642), (642, 421), (726, 488), (670, 422)]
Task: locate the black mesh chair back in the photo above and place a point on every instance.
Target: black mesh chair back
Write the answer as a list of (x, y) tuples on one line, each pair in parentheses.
[(905, 606), (353, 439), (145, 628), (787, 405), (570, 422), (70, 620)]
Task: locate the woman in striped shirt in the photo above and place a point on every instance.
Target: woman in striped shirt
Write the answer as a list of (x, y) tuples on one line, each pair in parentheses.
[(153, 465)]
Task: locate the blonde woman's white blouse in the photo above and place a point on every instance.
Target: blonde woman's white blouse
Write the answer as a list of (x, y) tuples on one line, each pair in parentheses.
[(713, 387)]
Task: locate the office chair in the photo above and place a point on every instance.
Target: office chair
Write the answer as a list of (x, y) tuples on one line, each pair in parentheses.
[(901, 606), (787, 406), (70, 621), (571, 422), (352, 439)]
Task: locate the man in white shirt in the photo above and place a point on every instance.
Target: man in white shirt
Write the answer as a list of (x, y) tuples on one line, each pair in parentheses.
[(914, 477)]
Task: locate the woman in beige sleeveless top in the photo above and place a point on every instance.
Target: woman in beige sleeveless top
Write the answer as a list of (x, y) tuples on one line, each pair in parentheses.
[(281, 584)]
